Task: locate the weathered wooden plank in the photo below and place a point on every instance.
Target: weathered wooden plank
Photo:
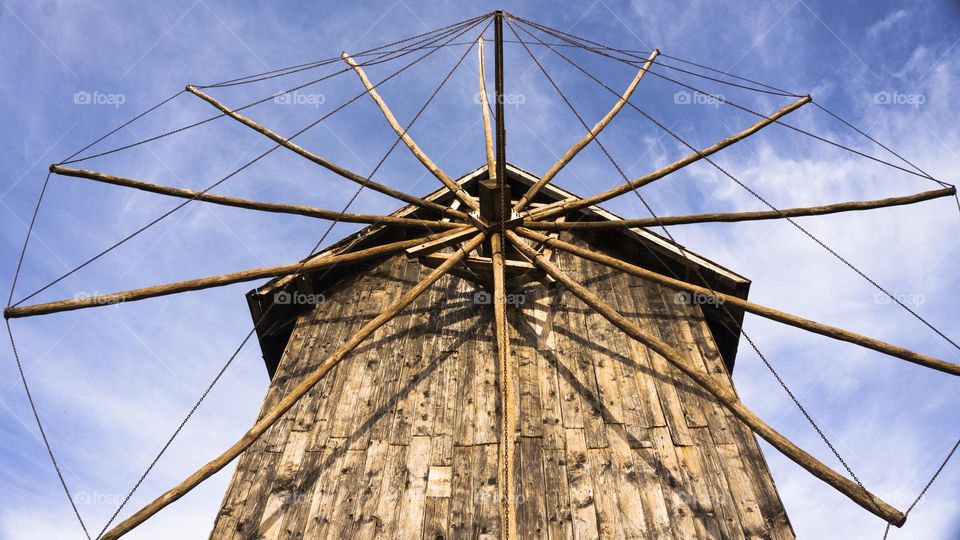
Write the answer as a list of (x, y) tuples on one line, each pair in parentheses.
[(486, 518), (350, 485), (672, 483), (412, 504), (370, 487), (383, 523), (581, 486), (531, 492), (556, 494), (325, 488), (464, 497), (627, 493), (751, 519), (605, 493)]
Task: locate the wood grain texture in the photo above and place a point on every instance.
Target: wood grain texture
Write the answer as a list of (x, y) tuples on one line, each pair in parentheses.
[(595, 459)]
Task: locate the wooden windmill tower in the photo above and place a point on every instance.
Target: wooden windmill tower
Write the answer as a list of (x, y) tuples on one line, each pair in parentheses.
[(502, 357)]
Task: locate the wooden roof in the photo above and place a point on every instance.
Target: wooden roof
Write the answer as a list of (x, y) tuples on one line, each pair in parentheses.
[(642, 246)]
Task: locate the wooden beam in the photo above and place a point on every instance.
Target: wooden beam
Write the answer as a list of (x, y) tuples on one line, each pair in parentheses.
[(436, 244), (270, 417), (485, 112), (224, 279), (724, 395), (401, 131), (297, 209), (506, 470), (730, 217), (750, 307), (329, 165), (482, 264), (566, 205), (527, 197)]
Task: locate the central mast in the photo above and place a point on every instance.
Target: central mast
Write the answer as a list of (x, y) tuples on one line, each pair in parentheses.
[(501, 151)]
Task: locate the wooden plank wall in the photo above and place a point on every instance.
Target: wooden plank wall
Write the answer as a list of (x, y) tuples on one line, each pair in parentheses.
[(400, 441)]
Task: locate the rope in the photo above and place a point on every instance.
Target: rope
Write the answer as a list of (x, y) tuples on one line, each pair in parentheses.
[(381, 59), (927, 486), (746, 109), (769, 205), (264, 315), (703, 279), (227, 177)]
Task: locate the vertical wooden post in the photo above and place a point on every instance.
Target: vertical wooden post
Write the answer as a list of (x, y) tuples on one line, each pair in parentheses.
[(501, 165), (506, 472)]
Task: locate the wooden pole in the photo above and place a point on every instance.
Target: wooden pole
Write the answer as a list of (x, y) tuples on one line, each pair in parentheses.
[(527, 198), (508, 421), (501, 120), (560, 207), (756, 309), (221, 280), (730, 217), (333, 167), (290, 399), (297, 209), (401, 131), (485, 112), (723, 394)]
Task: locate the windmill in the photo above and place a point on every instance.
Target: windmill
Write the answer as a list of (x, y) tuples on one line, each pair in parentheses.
[(548, 372)]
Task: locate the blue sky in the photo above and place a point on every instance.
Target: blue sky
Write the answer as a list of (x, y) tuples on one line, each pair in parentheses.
[(112, 383)]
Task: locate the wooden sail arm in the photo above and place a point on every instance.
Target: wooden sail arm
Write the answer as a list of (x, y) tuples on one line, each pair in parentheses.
[(485, 112), (730, 217), (565, 205), (401, 131), (221, 280), (297, 209), (750, 307), (506, 470), (270, 417), (329, 165), (527, 197), (723, 394)]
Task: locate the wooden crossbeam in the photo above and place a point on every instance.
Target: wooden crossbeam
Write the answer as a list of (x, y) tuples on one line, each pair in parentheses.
[(401, 131), (481, 264), (436, 244), (485, 112), (270, 417), (566, 205), (327, 164), (730, 217), (527, 197), (724, 395), (297, 209), (224, 279), (750, 307)]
